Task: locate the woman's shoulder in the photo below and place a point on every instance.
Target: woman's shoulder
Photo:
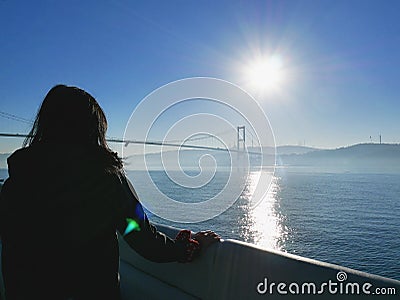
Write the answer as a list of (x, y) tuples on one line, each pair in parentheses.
[(60, 159), (22, 158), (20, 153)]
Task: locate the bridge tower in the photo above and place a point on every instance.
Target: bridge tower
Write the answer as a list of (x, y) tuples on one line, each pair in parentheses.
[(241, 137)]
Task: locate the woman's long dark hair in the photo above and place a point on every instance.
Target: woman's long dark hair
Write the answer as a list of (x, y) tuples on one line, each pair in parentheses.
[(70, 114)]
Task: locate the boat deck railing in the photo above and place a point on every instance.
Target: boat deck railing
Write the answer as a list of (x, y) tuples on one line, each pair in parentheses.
[(237, 270)]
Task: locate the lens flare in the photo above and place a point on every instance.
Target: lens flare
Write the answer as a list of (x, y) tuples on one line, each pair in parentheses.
[(132, 225)]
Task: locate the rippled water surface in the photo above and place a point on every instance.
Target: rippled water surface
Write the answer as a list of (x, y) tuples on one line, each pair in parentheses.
[(342, 218)]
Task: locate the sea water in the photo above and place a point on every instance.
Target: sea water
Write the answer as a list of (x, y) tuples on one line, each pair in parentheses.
[(342, 218)]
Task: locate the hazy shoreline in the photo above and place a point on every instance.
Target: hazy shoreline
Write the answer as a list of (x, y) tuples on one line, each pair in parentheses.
[(370, 158)]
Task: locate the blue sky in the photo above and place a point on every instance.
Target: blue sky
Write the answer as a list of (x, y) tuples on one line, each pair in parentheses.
[(341, 59)]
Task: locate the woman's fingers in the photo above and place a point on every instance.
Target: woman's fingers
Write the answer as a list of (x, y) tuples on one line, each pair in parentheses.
[(206, 238), (207, 232)]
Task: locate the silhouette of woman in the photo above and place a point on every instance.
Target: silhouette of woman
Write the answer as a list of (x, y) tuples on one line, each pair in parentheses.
[(64, 200)]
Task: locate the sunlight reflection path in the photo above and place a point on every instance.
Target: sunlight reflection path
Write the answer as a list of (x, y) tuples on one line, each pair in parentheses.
[(265, 220)]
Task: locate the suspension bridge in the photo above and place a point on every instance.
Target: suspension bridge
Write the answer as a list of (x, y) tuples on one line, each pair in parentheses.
[(240, 143)]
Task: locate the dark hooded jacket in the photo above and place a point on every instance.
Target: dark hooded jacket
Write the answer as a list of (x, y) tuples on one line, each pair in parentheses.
[(60, 210)]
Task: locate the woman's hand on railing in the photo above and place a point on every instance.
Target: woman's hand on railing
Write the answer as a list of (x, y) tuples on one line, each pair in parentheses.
[(206, 238)]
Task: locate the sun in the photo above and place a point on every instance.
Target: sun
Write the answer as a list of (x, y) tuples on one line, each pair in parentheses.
[(265, 73)]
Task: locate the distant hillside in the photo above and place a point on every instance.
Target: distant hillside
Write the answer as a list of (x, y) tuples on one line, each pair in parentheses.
[(285, 150), (357, 157)]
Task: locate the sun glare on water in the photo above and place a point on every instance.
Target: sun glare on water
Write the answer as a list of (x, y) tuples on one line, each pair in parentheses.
[(263, 223)]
